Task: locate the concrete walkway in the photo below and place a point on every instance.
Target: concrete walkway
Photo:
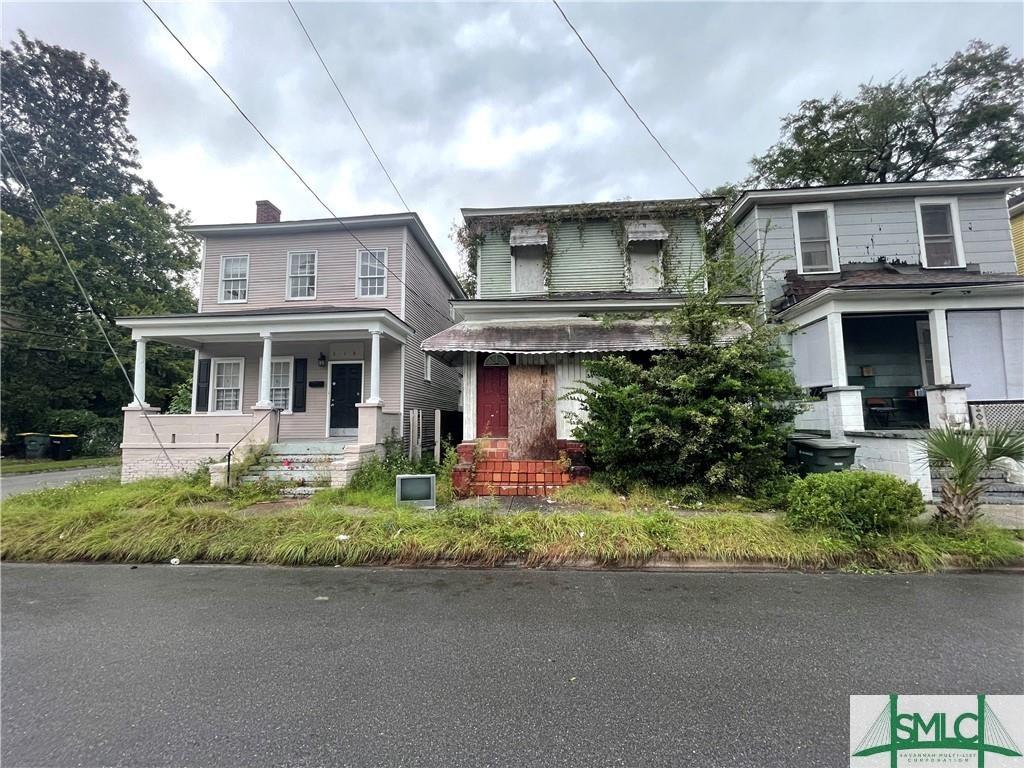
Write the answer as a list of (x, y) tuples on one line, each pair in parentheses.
[(34, 481)]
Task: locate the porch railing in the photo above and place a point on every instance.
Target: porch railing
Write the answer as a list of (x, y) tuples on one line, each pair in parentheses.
[(1003, 414)]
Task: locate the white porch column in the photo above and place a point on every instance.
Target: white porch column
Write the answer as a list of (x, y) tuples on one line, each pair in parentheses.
[(265, 368), (836, 348), (139, 383), (942, 366), (374, 368)]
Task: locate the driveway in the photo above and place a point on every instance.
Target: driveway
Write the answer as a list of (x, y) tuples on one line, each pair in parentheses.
[(12, 484), (231, 666)]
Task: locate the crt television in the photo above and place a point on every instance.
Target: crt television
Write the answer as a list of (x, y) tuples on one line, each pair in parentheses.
[(419, 490)]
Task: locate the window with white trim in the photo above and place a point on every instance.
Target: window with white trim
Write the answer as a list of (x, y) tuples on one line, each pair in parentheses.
[(234, 278), (426, 366), (281, 383), (940, 234), (371, 275), (815, 237), (302, 274), (227, 385)]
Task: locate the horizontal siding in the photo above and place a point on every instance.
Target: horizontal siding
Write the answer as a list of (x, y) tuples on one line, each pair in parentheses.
[(312, 424), (428, 313), (590, 258), (869, 230), (587, 258), (336, 269)]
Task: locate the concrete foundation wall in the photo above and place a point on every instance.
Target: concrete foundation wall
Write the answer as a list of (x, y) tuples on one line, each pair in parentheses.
[(900, 456)]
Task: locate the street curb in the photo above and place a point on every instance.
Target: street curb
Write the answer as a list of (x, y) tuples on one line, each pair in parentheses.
[(690, 566)]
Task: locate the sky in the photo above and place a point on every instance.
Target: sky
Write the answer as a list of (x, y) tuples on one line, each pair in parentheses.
[(483, 104)]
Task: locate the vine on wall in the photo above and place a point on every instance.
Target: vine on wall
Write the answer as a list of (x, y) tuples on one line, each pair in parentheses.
[(471, 235)]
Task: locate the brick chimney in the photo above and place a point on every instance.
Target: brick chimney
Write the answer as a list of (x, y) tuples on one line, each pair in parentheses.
[(267, 212)]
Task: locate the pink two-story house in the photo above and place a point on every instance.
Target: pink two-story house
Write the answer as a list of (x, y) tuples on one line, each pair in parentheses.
[(307, 339)]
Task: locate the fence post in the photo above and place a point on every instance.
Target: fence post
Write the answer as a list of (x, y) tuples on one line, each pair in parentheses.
[(437, 435)]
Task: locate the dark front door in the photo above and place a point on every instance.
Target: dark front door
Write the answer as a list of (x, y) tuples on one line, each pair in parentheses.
[(492, 401), (346, 391)]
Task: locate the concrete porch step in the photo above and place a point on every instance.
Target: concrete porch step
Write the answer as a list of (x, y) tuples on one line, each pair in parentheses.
[(298, 491), (309, 447), (285, 475)]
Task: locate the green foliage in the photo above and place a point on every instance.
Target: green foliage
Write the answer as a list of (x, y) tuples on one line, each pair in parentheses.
[(706, 413), (98, 435), (155, 520), (64, 121), (958, 119), (181, 401), (853, 503), (965, 456)]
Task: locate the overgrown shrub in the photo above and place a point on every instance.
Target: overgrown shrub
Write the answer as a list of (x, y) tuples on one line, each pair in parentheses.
[(713, 411), (855, 503), (181, 400), (98, 435)]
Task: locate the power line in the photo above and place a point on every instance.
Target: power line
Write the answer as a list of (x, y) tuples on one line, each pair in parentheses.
[(347, 106), (34, 348), (288, 164), (88, 302), (68, 337), (642, 122)]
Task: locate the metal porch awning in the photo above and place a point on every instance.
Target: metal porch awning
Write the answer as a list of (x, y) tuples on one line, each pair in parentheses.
[(577, 335), (528, 235), (645, 230)]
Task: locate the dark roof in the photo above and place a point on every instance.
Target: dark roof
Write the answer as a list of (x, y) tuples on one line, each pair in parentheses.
[(304, 310), (924, 279), (1015, 203), (863, 276)]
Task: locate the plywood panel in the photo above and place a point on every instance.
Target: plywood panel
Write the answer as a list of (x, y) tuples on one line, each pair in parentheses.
[(531, 412)]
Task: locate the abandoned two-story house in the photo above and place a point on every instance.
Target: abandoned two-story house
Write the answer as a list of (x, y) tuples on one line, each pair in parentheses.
[(906, 308), (546, 277), (307, 339)]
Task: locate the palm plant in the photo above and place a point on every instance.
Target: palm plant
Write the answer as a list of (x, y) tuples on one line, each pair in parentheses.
[(969, 454)]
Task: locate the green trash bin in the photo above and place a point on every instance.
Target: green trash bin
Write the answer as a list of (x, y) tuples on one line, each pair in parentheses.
[(34, 445), (820, 454), (61, 446)]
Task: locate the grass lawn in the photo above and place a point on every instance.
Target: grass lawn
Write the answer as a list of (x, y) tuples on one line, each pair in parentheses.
[(156, 520), (23, 466)]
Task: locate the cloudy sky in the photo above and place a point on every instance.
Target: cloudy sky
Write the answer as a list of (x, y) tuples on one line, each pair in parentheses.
[(484, 104)]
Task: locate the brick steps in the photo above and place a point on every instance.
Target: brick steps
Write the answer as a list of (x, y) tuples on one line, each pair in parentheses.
[(509, 477)]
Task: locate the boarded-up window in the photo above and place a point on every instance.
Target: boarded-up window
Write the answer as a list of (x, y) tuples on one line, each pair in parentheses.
[(986, 351), (811, 361), (528, 269), (645, 265)]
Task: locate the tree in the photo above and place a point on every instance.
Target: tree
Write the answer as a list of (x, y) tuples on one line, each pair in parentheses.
[(964, 118), (705, 412), (65, 120), (132, 258), (64, 126)]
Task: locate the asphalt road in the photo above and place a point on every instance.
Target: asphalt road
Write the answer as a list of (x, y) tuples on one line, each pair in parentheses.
[(246, 666), (33, 481)]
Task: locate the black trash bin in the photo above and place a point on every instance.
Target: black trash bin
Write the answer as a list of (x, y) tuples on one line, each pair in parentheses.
[(820, 454), (61, 446), (34, 445)]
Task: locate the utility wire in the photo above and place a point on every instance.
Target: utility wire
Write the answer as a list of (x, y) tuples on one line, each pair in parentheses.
[(88, 301), (643, 122), (288, 164), (33, 348), (32, 332), (347, 106)]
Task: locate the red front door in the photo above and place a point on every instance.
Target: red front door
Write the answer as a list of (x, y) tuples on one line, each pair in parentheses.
[(491, 400)]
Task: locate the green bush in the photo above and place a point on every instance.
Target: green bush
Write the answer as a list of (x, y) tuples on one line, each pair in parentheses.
[(855, 503), (98, 435)]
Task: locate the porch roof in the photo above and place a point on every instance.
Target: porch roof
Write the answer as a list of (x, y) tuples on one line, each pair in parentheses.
[(533, 337), (323, 322)]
